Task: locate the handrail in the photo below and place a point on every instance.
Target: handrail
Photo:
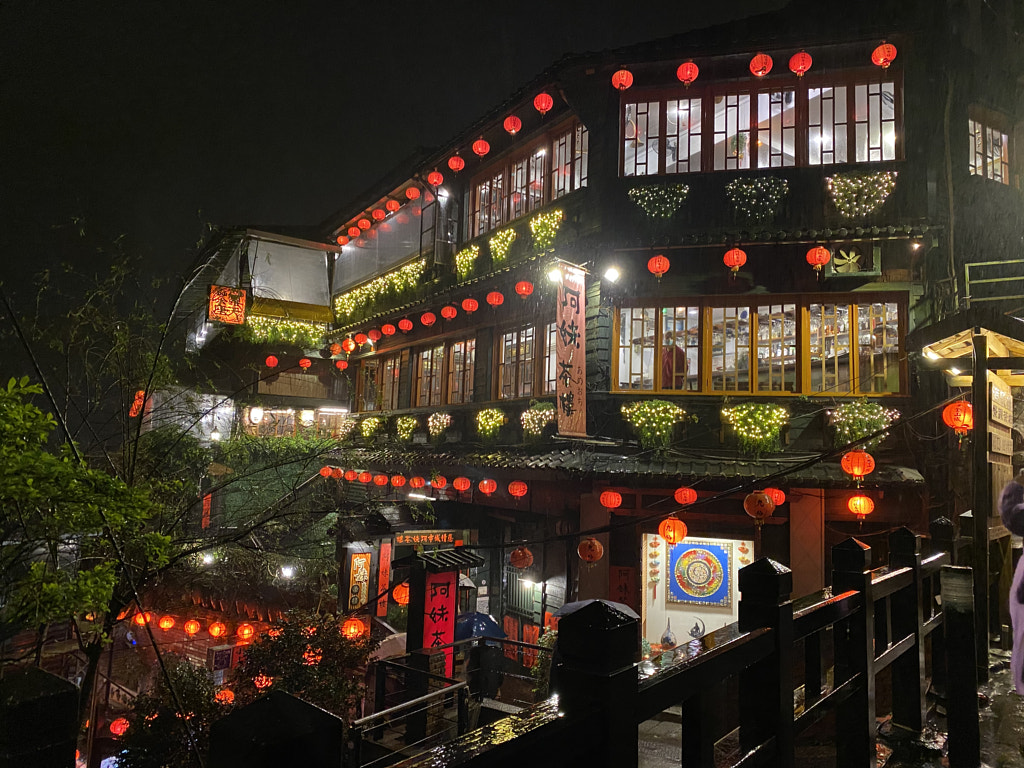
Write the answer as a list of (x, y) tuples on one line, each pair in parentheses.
[(891, 582), (408, 704)]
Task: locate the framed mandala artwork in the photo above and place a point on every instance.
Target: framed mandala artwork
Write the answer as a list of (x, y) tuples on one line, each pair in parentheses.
[(700, 573)]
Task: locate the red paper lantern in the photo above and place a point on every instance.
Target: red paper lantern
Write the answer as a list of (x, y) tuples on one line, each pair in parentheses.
[(352, 628), (758, 505), (672, 530), (348, 345), (225, 696), (456, 163), (351, 474), (142, 619), (524, 288), (305, 363), (512, 124), (449, 312), (192, 627), (658, 265), (245, 632), (341, 365), (435, 178), (380, 480), (518, 488), (401, 593), (397, 481), (495, 299), (217, 629), (734, 259), (325, 471), (487, 486), (364, 224), (271, 361), (354, 232), (858, 463), (405, 325), (543, 103), (481, 147), (590, 550), (378, 214), (428, 318), (412, 193), (166, 623), (611, 499), (335, 348), (393, 205), (388, 329), (777, 496), (687, 73), (622, 79), (440, 482), (360, 338), (799, 63), (119, 726), (416, 482), (461, 483), (883, 55), (521, 558), (365, 477), (761, 65), (341, 240), (337, 473), (959, 417), (684, 496), (818, 257), (861, 505), (470, 305), (373, 335)]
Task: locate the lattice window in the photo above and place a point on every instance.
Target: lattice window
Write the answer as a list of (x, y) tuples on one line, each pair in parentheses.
[(461, 368)]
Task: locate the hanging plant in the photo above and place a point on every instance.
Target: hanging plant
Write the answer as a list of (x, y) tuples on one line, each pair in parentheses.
[(500, 244), (405, 426), (757, 199), (857, 194), (302, 333), (465, 260), (660, 201), (758, 426), (860, 418), (438, 423), (536, 418), (391, 284), (489, 421), (370, 426), (347, 427), (653, 421), (544, 227)]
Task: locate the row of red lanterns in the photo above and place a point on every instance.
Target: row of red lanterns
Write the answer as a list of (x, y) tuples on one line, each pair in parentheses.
[(245, 631), (734, 258), (516, 488), (542, 102), (760, 65), (364, 223)]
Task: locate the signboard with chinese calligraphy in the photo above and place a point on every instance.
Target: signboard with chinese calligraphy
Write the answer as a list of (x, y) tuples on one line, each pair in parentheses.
[(383, 577), (227, 305), (439, 613), (207, 509), (448, 537), (359, 580), (622, 585), (571, 353)]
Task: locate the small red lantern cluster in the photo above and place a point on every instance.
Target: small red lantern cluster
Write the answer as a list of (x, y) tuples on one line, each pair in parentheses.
[(658, 265)]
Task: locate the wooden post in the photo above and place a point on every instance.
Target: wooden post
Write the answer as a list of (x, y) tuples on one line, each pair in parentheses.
[(856, 730), (943, 537), (959, 624), (699, 730), (766, 688), (908, 682), (982, 499)]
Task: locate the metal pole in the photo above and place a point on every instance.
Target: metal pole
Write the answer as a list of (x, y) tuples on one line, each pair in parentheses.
[(982, 499)]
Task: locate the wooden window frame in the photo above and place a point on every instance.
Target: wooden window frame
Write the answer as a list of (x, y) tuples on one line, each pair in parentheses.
[(437, 353), (989, 122), (465, 373)]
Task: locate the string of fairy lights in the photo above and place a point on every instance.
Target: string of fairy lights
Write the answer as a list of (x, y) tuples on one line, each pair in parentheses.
[(544, 228), (397, 281), (500, 244), (856, 195), (758, 426), (757, 199), (659, 201), (465, 260)]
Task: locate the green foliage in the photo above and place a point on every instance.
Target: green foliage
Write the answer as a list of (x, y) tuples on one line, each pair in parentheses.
[(260, 329), (541, 671), (660, 201), (489, 422), (860, 418), (405, 427), (654, 421), (758, 426), (757, 199), (536, 419), (544, 227), (856, 195)]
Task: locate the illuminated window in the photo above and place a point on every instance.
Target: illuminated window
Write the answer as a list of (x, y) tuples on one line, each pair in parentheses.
[(390, 372), (680, 348), (635, 348), (429, 363), (569, 161), (682, 135), (550, 358), (641, 138), (488, 197), (826, 125), (516, 362), (368, 384), (990, 151), (461, 368), (874, 122)]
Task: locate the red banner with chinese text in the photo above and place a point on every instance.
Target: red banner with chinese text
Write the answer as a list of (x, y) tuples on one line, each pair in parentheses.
[(439, 613), (227, 305), (359, 580), (383, 577), (571, 353)]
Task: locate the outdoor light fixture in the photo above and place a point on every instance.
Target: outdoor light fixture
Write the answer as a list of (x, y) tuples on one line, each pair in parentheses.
[(215, 435), (287, 571), (932, 354), (207, 559), (306, 416), (255, 414), (955, 371), (555, 275), (612, 274)]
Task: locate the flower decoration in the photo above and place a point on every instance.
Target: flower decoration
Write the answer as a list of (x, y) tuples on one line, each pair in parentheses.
[(370, 426), (405, 426), (303, 333), (544, 227), (394, 283), (757, 199), (489, 421), (465, 260), (536, 418), (660, 201), (757, 425), (855, 195), (653, 421), (860, 418), (438, 423), (501, 243)]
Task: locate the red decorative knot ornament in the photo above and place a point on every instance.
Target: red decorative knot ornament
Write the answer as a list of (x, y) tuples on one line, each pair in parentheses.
[(380, 480), (348, 345), (758, 505), (354, 232), (521, 558), (512, 124), (325, 471), (590, 550), (397, 481), (351, 474), (435, 178), (543, 103), (687, 73), (456, 163), (341, 240), (393, 205), (360, 338), (959, 417), (684, 496), (883, 55), (405, 325), (861, 505), (388, 329), (487, 486), (470, 305), (517, 488), (416, 482), (761, 65), (622, 79), (352, 628), (734, 259), (658, 265), (524, 288), (611, 499), (857, 463), (192, 627), (305, 363), (401, 593), (428, 318), (271, 361), (672, 530), (341, 365), (440, 482), (364, 224), (495, 299), (412, 193), (449, 312), (245, 632), (461, 484), (799, 63), (378, 214), (818, 257), (481, 147), (166, 623), (365, 477), (335, 348), (776, 495), (119, 726), (337, 473), (217, 629)]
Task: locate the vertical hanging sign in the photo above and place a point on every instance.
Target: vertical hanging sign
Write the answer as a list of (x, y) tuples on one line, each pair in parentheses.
[(571, 352), (439, 613), (359, 580), (383, 577)]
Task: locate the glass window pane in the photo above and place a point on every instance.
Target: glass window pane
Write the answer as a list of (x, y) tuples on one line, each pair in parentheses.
[(550, 358), (635, 353), (461, 367), (776, 348), (680, 348), (641, 139), (682, 136), (878, 345), (368, 373), (829, 348), (826, 125), (776, 129), (732, 131), (730, 349)]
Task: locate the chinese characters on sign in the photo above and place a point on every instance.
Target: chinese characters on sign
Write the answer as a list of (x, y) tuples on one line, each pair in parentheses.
[(383, 577), (207, 509), (427, 537), (439, 613), (359, 580), (622, 585), (227, 304), (571, 353)]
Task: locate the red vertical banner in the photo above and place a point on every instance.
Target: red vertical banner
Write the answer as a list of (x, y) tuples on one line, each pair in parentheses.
[(511, 626), (359, 580), (531, 635), (439, 613), (383, 577), (207, 509), (622, 585), (571, 352)]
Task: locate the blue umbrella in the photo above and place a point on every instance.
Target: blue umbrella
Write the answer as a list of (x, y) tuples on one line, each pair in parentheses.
[(477, 624)]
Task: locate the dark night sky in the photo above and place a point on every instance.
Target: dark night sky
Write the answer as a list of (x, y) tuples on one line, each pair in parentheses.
[(148, 118)]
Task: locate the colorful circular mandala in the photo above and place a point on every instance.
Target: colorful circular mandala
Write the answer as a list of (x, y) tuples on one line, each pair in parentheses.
[(698, 573)]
